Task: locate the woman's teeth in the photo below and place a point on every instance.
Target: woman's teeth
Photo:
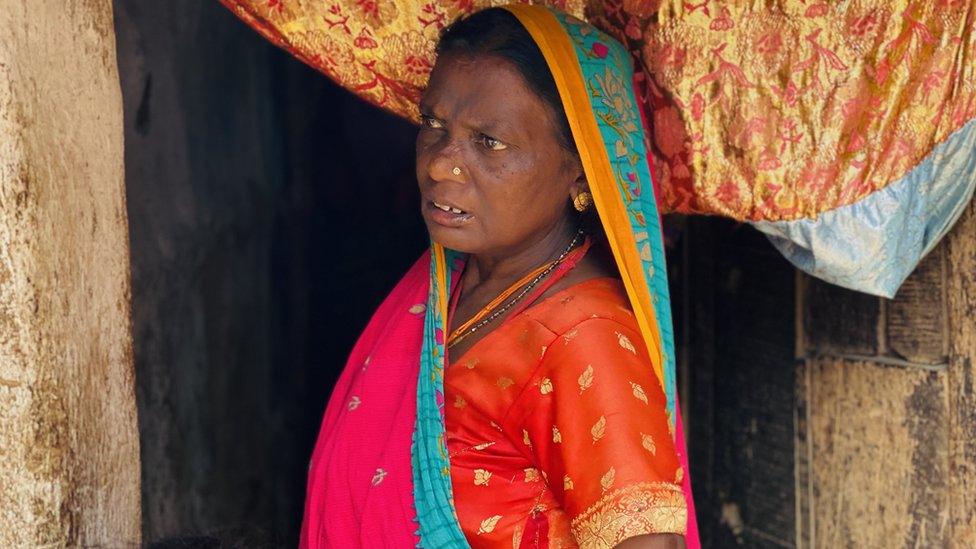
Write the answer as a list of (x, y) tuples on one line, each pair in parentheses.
[(448, 208)]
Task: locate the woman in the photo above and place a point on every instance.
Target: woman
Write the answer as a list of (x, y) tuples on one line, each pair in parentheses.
[(516, 388)]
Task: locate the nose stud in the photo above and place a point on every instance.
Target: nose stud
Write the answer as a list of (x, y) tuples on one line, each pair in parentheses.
[(456, 171)]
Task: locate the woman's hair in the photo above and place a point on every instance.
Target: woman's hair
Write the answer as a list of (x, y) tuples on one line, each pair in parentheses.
[(498, 33)]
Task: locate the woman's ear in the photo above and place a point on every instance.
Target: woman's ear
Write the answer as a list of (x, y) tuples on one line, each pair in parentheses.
[(579, 185)]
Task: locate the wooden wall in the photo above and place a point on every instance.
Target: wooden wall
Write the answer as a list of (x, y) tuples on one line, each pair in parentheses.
[(270, 212), (822, 417), (886, 407), (733, 296)]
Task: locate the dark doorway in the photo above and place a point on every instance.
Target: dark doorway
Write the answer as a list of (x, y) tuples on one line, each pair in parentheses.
[(270, 211)]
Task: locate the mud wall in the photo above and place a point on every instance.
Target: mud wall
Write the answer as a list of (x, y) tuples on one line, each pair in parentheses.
[(69, 461)]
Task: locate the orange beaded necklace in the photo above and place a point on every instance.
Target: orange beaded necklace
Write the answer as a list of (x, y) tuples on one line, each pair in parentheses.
[(485, 315)]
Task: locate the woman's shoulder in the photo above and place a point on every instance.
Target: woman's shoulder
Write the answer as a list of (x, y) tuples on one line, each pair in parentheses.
[(596, 298)]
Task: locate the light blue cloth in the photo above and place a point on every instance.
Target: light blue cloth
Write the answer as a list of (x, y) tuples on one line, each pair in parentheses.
[(874, 244)]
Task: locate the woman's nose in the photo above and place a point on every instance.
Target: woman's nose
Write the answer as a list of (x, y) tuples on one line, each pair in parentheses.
[(445, 161)]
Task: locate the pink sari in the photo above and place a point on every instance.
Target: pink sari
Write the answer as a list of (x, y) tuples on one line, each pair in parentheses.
[(360, 488)]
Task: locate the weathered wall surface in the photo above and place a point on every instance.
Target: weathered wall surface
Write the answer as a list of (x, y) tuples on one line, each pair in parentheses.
[(961, 322), (822, 417), (886, 407), (69, 455), (876, 462)]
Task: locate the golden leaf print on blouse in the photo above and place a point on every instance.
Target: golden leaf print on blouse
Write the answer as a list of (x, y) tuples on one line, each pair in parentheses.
[(586, 379), (459, 402), (648, 443), (567, 483), (488, 525), (568, 336), (531, 474), (599, 429), (624, 342), (639, 393), (607, 480), (505, 382), (525, 438), (545, 387), (481, 477), (557, 437), (483, 445)]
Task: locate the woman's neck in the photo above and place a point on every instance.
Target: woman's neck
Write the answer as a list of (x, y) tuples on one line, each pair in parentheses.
[(506, 266)]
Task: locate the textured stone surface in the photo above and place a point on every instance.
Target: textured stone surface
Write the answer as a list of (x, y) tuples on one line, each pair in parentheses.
[(69, 454)]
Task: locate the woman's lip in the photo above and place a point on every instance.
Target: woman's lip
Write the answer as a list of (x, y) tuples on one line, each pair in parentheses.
[(447, 219)]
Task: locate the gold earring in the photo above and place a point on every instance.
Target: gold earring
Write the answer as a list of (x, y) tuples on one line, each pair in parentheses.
[(456, 171), (582, 201)]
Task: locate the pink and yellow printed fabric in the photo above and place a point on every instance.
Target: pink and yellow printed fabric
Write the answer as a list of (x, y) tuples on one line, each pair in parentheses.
[(846, 131)]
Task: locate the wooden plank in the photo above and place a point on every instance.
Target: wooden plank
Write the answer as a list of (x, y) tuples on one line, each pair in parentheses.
[(879, 474), (916, 320), (803, 452), (961, 283), (838, 321), (737, 321), (753, 389), (697, 296)]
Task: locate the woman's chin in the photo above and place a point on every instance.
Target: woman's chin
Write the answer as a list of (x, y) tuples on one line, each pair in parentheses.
[(451, 238)]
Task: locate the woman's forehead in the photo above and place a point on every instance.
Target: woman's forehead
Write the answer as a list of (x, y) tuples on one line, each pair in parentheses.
[(483, 90)]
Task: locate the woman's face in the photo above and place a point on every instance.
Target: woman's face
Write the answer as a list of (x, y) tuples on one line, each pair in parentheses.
[(515, 180)]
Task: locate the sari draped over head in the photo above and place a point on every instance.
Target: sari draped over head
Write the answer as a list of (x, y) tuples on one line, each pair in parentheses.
[(380, 472)]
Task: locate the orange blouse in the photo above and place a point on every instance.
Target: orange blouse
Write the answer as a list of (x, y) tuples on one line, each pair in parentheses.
[(557, 431)]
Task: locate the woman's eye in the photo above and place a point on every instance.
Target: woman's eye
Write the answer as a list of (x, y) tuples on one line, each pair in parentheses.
[(491, 143), (430, 122)]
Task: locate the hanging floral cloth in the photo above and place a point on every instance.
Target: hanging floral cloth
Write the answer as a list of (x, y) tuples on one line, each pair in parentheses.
[(844, 131)]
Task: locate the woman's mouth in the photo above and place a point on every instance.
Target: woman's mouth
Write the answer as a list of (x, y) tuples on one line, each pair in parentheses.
[(447, 208), (446, 215)]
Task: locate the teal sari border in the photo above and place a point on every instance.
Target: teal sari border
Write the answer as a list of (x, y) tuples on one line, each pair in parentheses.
[(606, 67), (437, 520)]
